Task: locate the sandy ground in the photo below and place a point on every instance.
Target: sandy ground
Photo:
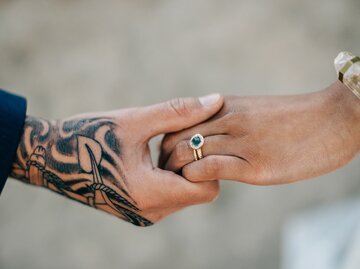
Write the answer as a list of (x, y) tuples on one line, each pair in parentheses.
[(69, 57)]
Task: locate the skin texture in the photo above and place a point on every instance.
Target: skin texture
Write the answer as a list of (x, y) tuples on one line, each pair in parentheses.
[(271, 139), (103, 159)]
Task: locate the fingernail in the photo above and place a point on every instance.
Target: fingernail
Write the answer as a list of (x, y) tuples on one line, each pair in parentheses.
[(209, 100)]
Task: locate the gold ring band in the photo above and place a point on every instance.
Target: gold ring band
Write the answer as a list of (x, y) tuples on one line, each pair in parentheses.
[(198, 154)]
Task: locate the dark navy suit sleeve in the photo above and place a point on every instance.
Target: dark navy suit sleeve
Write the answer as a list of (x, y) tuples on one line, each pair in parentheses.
[(12, 118)]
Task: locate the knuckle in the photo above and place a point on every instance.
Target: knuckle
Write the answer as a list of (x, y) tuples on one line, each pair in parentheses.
[(213, 191), (192, 173), (212, 166), (188, 173), (179, 106)]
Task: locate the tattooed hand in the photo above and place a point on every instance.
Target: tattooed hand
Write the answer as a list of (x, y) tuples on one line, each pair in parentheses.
[(103, 159)]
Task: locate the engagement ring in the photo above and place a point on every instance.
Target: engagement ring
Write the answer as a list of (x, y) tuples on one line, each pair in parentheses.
[(196, 142)]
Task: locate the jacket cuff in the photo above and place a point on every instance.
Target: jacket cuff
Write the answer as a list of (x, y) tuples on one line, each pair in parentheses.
[(12, 118)]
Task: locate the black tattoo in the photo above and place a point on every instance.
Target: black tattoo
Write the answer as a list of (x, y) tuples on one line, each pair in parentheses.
[(73, 158)]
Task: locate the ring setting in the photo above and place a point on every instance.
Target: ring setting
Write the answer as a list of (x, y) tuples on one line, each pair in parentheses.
[(196, 143)]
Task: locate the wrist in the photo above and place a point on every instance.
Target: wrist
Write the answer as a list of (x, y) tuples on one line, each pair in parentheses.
[(30, 154), (347, 107)]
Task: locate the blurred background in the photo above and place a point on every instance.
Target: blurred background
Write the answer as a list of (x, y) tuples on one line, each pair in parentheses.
[(69, 57)]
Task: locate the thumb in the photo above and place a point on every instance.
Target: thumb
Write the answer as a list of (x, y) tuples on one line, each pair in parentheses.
[(179, 114)]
